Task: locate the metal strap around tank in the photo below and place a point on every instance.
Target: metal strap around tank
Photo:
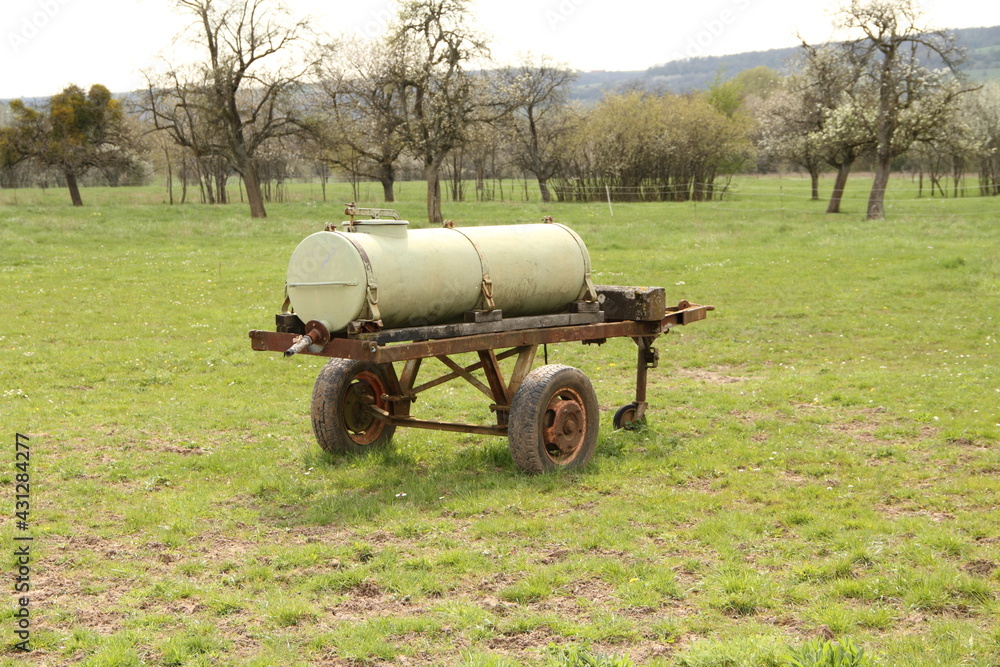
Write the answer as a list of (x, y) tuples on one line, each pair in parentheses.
[(486, 298), (371, 295), (587, 292)]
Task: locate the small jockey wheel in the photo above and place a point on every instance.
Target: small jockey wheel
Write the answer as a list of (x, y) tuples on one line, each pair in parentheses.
[(626, 418)]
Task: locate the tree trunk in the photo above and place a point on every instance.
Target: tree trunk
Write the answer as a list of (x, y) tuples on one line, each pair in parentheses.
[(387, 177), (221, 180), (838, 187), (543, 186), (205, 182), (74, 188), (170, 177), (434, 215), (814, 177), (457, 171), (936, 185), (697, 193), (876, 200), (254, 196), (246, 166), (184, 180), (481, 181), (888, 116)]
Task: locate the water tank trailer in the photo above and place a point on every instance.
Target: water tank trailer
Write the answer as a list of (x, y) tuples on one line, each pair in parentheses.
[(379, 298)]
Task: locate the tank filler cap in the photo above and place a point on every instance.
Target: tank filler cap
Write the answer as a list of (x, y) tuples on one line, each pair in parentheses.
[(393, 228), (353, 211)]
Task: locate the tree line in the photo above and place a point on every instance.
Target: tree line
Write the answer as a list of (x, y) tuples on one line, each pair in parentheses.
[(270, 100)]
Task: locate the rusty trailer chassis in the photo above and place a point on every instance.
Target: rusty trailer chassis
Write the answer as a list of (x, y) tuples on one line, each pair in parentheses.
[(549, 414)]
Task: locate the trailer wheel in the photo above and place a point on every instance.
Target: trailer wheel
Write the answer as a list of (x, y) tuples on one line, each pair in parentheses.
[(625, 417), (340, 416), (553, 420)]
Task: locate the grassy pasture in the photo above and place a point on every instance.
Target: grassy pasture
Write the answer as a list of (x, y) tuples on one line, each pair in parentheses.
[(820, 460)]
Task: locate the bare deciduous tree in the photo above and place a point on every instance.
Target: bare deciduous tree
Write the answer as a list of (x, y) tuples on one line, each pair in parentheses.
[(947, 154), (841, 102), (234, 101), (180, 106), (358, 110), (911, 98), (438, 98), (785, 131), (537, 94)]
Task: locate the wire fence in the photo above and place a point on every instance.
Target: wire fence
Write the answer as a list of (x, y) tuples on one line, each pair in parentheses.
[(747, 196), (726, 196), (970, 202), (793, 197)]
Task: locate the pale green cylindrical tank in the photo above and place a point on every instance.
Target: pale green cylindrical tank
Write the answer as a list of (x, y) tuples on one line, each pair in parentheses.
[(381, 270)]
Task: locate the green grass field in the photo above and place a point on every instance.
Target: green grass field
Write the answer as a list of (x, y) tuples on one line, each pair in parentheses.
[(820, 459)]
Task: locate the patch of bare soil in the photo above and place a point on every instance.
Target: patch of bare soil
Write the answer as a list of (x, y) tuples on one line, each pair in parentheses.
[(856, 430), (980, 568), (183, 451), (708, 376), (71, 591), (896, 512), (796, 478), (863, 424), (523, 642)]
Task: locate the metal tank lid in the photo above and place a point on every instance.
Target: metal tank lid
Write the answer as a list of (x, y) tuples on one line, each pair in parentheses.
[(327, 264)]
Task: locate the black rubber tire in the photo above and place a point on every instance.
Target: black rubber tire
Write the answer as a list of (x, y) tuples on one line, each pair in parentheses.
[(339, 419), (625, 417), (554, 403)]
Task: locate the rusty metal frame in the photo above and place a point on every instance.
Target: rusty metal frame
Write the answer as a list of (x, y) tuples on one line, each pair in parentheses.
[(372, 350), (499, 391), (646, 357), (522, 343)]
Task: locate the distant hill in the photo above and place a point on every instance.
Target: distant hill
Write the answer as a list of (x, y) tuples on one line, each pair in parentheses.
[(680, 76), (983, 44)]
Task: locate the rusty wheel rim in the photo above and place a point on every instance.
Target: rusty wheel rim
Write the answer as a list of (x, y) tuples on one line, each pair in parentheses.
[(565, 425), (364, 390)]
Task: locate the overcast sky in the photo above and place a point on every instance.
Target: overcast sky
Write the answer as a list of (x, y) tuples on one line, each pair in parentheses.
[(47, 44)]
